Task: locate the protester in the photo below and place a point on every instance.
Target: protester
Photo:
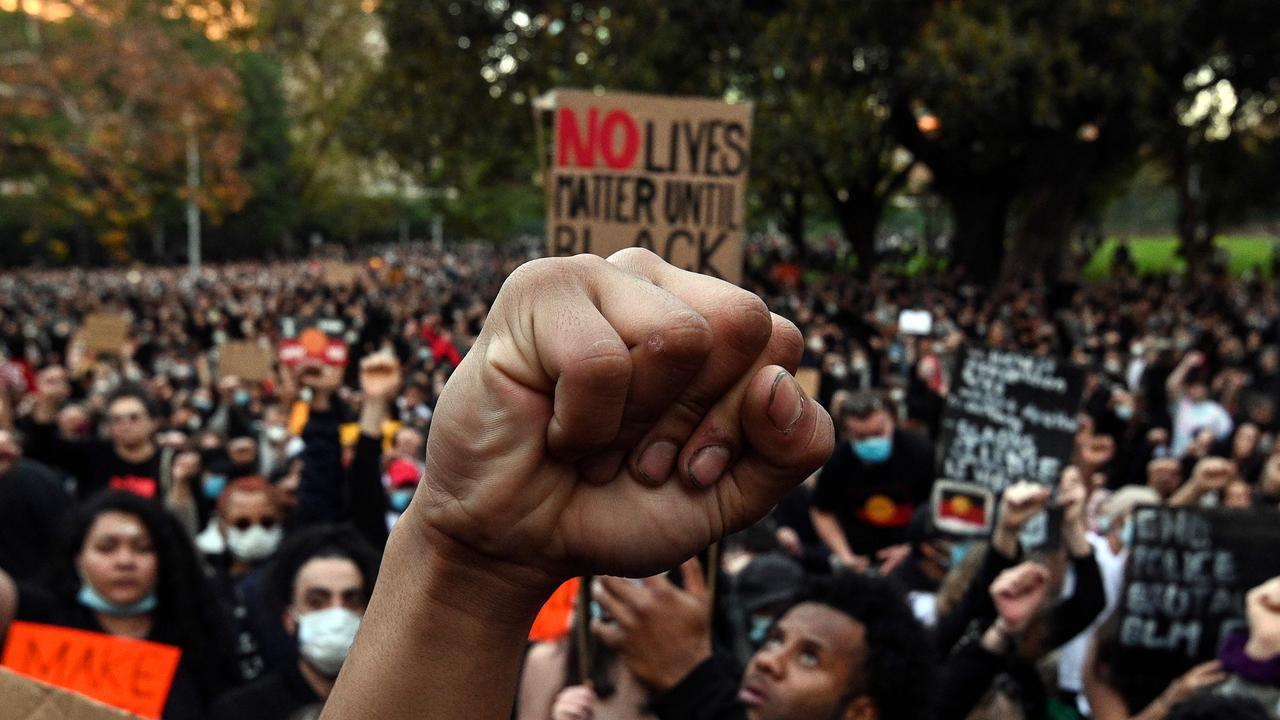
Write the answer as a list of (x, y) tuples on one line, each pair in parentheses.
[(1179, 383), (126, 568), (317, 590), (871, 486)]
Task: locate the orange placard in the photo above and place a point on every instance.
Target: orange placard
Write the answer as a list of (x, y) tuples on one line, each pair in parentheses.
[(552, 623), (133, 675)]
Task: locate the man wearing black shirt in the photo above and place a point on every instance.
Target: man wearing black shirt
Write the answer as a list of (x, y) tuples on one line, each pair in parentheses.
[(319, 584), (128, 461), (871, 486), (32, 503)]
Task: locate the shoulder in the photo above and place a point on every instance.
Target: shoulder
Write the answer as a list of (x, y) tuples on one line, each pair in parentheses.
[(245, 702)]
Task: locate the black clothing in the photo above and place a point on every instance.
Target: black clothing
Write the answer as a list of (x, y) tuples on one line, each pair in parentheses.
[(874, 503), (971, 669), (708, 692), (32, 505), (275, 696), (94, 464), (186, 698)]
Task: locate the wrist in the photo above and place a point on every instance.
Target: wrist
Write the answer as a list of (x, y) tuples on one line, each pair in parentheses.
[(1262, 649), (672, 674)]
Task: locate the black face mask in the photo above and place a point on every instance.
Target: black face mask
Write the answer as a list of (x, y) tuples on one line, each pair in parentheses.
[(244, 470)]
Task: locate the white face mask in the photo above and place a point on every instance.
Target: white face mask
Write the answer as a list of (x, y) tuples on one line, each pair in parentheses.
[(254, 543), (325, 637)]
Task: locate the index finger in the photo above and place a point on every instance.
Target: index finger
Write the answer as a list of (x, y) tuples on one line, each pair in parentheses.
[(695, 582)]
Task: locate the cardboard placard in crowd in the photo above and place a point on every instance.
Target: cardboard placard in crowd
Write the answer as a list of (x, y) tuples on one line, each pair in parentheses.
[(244, 359), (1188, 572), (133, 675), (665, 173), (552, 622), (810, 380), (340, 274), (105, 332), (1009, 418), (23, 698)]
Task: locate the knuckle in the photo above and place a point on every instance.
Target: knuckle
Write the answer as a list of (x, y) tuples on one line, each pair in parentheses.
[(749, 323), (786, 343), (683, 334), (635, 257)]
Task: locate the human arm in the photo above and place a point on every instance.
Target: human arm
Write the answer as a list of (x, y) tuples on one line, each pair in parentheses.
[(1211, 474), (557, 451), (831, 534), (1019, 504), (379, 381), (1174, 385), (320, 492), (968, 673)]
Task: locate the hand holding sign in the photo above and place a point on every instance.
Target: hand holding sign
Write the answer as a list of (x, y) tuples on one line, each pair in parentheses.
[(1018, 593), (1193, 681)]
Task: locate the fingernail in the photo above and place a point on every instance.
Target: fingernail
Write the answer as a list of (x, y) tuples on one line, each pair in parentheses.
[(656, 461), (786, 402), (708, 464)]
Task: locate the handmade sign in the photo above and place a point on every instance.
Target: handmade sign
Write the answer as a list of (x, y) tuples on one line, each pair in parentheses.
[(22, 698), (245, 360), (338, 274), (105, 332), (133, 675), (1188, 572), (552, 622), (668, 174), (1009, 418)]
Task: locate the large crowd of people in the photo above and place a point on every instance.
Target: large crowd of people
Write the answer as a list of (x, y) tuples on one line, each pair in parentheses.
[(145, 492)]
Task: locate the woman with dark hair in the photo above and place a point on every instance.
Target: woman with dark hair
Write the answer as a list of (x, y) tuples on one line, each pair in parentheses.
[(126, 568)]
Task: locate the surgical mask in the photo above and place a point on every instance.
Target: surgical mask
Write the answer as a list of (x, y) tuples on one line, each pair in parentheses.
[(276, 434), (958, 552), (1124, 412), (212, 486), (759, 629), (241, 397), (325, 637), (874, 450), (90, 598), (202, 404), (1126, 532), (399, 499), (255, 542)]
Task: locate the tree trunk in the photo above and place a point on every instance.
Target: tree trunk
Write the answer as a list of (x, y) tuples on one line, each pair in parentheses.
[(858, 222), (977, 242), (793, 219), (1043, 234)]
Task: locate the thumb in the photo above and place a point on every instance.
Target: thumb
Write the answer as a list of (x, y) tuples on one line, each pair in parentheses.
[(787, 437), (695, 583)]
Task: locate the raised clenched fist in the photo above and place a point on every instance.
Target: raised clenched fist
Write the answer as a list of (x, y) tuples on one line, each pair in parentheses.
[(615, 417)]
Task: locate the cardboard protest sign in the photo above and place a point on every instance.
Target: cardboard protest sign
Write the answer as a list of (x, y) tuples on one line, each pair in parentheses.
[(245, 360), (22, 698), (1010, 418), (315, 345), (810, 380), (338, 274), (668, 174), (1188, 572), (133, 675), (105, 332)]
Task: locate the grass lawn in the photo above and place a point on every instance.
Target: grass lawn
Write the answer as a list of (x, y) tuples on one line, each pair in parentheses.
[(1158, 254)]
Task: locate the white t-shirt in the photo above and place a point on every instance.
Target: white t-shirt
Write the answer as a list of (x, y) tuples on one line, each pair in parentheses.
[(1071, 659), (1190, 417)]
